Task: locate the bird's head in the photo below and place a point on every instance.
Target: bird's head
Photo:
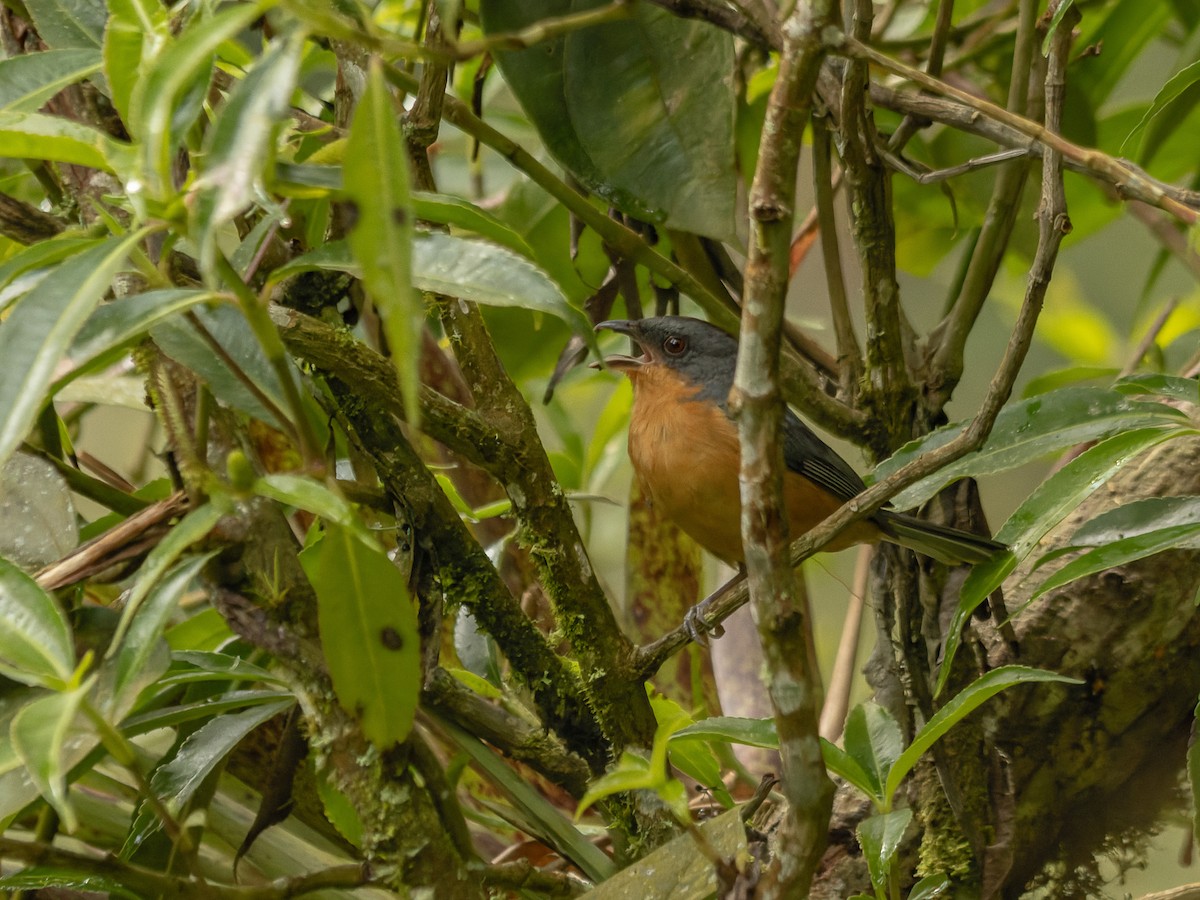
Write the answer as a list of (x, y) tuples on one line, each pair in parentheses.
[(702, 355)]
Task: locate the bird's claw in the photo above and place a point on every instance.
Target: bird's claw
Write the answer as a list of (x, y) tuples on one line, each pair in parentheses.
[(698, 629)]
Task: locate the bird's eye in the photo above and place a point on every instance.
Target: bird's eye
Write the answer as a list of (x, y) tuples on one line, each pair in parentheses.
[(675, 345)]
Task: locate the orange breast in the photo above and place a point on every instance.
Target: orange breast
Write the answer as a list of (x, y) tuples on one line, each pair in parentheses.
[(685, 453)]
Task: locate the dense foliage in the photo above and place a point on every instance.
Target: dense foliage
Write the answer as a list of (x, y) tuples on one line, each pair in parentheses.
[(343, 620)]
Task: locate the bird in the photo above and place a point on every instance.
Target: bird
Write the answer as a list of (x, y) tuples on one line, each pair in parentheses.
[(683, 445)]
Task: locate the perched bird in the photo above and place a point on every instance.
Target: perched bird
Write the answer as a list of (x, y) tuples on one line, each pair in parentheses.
[(684, 449)]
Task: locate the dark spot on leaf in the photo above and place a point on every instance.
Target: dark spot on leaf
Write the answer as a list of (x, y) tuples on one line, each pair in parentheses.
[(391, 638), (400, 216), (351, 215)]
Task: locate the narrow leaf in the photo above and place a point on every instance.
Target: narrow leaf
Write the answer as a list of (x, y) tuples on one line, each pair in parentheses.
[(958, 708), (312, 496), (375, 172), (176, 782), (138, 30), (193, 527), (37, 136), (1029, 430), (239, 146), (752, 732), (35, 643), (69, 23), (1119, 553), (1050, 502), (28, 81), (1180, 87), (1137, 517), (842, 764), (368, 632), (39, 330)]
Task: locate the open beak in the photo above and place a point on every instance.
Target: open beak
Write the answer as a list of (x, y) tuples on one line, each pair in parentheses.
[(620, 361)]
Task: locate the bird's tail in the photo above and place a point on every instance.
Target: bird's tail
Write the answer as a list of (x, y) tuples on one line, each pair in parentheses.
[(945, 544)]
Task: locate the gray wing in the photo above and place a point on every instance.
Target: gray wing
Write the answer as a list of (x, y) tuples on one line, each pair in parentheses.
[(807, 455)]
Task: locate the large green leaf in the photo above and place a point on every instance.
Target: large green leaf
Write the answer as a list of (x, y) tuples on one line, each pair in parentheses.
[(375, 176), (240, 145), (35, 643), (640, 111), (137, 31), (1030, 430), (69, 23), (36, 334), (873, 739), (461, 267), (1050, 502), (28, 81), (41, 734), (368, 632)]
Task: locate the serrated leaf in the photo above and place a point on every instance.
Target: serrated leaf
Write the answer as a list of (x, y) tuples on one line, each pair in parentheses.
[(240, 144), (69, 23), (137, 31), (1050, 502), (1030, 430), (37, 136), (874, 740), (880, 836), (375, 178), (28, 81), (145, 634), (193, 527), (175, 782), (36, 334), (1121, 552), (158, 113), (40, 733), (368, 632), (36, 647), (958, 708), (460, 267)]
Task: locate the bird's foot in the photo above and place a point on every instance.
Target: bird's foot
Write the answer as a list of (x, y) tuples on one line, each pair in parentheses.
[(699, 630)]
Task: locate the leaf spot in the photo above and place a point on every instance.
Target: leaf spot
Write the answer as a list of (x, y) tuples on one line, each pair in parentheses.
[(390, 638)]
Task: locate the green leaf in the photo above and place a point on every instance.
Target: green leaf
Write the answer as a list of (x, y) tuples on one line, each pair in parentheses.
[(1120, 552), (144, 635), (69, 23), (35, 643), (873, 739), (158, 113), (958, 708), (37, 136), (193, 527), (1050, 502), (1124, 33), (1055, 20), (36, 334), (375, 174), (181, 341), (113, 326), (929, 887), (448, 210), (556, 830), (175, 782), (1171, 105), (693, 757), (313, 496), (81, 880), (460, 267), (880, 836), (1172, 387), (661, 148), (736, 730), (1029, 430), (137, 31), (41, 733), (208, 708), (240, 144), (28, 81), (842, 764), (368, 632), (1138, 517)]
